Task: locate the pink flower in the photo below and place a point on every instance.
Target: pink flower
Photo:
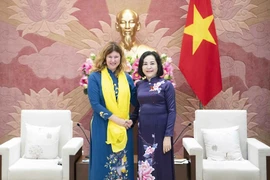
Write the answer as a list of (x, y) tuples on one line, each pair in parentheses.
[(85, 69), (149, 150), (135, 64), (168, 67), (87, 66), (145, 171), (84, 81), (135, 75)]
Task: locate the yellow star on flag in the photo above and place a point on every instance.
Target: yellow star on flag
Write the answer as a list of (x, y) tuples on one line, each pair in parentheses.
[(200, 29)]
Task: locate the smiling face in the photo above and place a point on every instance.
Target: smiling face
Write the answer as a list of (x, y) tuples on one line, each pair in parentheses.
[(150, 67), (113, 60)]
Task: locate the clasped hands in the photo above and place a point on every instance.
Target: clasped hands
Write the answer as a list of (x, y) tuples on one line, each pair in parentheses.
[(127, 123), (121, 122)]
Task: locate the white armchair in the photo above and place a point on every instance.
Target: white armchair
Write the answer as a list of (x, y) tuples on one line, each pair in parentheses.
[(44, 151), (255, 164)]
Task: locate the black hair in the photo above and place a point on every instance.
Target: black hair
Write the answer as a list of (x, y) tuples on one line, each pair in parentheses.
[(158, 60)]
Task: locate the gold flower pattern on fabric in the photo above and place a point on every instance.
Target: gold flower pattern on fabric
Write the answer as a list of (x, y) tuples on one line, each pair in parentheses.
[(102, 114), (117, 165)]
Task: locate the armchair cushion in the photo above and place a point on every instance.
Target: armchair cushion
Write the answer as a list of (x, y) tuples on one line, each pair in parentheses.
[(33, 169), (41, 142), (224, 170), (222, 144)]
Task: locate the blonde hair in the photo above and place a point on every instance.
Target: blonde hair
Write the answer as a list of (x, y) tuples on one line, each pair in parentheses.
[(100, 61)]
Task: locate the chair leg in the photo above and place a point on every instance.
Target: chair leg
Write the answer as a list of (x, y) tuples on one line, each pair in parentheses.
[(191, 165), (0, 167), (72, 164), (268, 167)]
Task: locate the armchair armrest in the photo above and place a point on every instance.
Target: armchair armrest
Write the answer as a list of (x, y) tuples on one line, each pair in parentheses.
[(10, 152), (193, 148), (70, 148), (258, 153)]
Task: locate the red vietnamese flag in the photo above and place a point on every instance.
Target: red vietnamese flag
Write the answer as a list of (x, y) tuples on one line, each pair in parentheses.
[(199, 60)]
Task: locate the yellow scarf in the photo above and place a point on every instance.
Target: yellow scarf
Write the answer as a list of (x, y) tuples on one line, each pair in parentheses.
[(116, 135)]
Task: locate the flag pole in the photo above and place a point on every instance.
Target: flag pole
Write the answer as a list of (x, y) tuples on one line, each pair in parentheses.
[(200, 105)]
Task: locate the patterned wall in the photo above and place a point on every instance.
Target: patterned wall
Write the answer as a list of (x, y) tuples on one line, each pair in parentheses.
[(44, 42)]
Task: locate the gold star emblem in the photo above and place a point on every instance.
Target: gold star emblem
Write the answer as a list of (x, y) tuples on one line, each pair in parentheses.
[(200, 30)]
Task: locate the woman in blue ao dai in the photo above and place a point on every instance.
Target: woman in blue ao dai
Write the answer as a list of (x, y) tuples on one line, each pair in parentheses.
[(110, 91)]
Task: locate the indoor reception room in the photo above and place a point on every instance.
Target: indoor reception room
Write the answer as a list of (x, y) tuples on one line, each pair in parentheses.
[(135, 90)]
